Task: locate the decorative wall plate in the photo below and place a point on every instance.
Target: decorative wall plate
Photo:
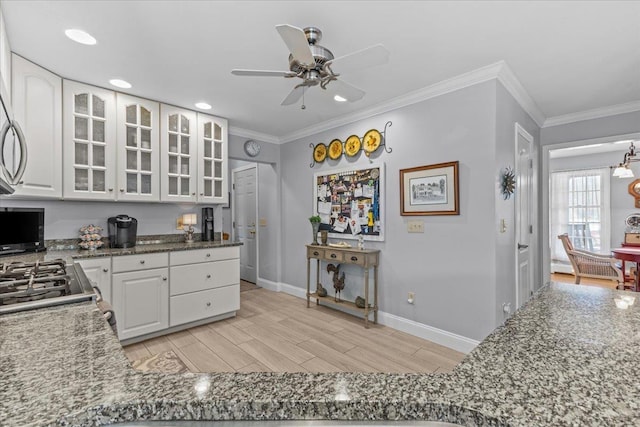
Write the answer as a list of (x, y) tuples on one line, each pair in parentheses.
[(335, 149), (352, 145), (320, 153), (371, 141)]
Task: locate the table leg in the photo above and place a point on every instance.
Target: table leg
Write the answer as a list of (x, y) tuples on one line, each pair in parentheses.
[(636, 284), (308, 278), (317, 279), (366, 297), (375, 294)]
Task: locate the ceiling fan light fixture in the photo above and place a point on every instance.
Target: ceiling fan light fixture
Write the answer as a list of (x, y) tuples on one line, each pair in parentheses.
[(120, 83), (203, 106), (339, 98), (80, 36)]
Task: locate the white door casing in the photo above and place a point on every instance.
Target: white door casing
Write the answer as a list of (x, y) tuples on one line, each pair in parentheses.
[(244, 207), (523, 215)]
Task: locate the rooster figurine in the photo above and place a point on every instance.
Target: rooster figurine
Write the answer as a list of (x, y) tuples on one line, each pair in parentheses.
[(338, 279)]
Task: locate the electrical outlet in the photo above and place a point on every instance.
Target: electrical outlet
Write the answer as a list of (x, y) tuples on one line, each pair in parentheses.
[(411, 297), (179, 223), (415, 226)]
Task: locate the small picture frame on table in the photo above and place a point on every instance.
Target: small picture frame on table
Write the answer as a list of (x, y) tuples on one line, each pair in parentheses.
[(430, 190)]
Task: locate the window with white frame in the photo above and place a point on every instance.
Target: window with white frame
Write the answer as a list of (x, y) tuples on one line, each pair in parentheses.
[(580, 207)]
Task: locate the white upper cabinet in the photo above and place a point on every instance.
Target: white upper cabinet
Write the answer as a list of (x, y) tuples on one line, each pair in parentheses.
[(5, 58), (138, 149), (89, 140), (212, 159), (178, 141), (37, 108)]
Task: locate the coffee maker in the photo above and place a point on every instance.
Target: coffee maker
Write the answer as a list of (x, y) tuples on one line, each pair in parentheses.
[(207, 224), (122, 231)]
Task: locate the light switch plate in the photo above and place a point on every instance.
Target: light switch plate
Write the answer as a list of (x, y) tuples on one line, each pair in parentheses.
[(263, 222), (415, 226)]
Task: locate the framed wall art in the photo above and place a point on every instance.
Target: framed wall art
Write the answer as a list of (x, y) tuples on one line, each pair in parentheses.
[(430, 190), (350, 202)]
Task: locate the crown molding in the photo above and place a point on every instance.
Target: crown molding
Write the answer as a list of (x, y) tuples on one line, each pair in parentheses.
[(596, 113), (519, 93), (246, 133), (461, 81)]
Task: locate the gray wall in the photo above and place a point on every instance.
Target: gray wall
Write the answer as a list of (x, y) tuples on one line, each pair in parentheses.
[(508, 113), (588, 129), (451, 267), (64, 218)]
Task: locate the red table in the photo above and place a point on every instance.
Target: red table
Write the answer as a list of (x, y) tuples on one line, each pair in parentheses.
[(633, 255)]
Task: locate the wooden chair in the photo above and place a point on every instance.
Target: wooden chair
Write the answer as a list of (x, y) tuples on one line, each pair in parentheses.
[(590, 264)]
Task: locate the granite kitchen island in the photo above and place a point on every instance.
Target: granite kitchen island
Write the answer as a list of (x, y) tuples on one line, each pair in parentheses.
[(569, 357)]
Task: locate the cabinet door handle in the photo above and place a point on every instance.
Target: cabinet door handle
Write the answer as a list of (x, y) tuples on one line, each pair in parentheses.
[(164, 279), (141, 261), (202, 194), (122, 190), (208, 276), (111, 189), (106, 270), (316, 253), (333, 255), (21, 182), (208, 304), (354, 258), (193, 194)]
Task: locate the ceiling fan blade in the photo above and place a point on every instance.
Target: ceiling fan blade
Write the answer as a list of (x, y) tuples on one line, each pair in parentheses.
[(297, 43), (264, 73), (294, 95), (345, 90), (356, 61)]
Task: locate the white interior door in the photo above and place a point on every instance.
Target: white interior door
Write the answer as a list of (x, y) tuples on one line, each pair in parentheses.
[(523, 214), (244, 219)]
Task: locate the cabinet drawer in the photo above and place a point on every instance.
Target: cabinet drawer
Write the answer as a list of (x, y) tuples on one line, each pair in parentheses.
[(200, 305), (206, 275), (204, 255), (139, 262), (354, 258), (333, 255), (315, 252)]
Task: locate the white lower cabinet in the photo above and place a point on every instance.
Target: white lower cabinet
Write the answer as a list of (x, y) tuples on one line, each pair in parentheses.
[(200, 305), (98, 270), (141, 302)]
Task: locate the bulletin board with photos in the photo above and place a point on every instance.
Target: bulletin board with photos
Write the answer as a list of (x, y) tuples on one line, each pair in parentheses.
[(350, 202)]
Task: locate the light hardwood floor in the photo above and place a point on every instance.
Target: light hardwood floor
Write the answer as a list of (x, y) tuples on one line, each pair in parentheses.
[(570, 278), (275, 332)]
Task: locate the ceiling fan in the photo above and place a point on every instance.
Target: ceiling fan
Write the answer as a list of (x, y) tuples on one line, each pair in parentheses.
[(314, 64)]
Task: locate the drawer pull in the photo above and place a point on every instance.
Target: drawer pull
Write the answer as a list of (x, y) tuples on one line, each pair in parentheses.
[(208, 276), (164, 279), (106, 270), (333, 255), (354, 258), (208, 255), (208, 304), (141, 261), (316, 253)]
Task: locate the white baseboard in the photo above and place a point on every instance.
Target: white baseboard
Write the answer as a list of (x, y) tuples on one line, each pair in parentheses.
[(438, 336), (557, 267)]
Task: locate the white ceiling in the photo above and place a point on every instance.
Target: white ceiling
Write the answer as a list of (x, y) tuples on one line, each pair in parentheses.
[(570, 56)]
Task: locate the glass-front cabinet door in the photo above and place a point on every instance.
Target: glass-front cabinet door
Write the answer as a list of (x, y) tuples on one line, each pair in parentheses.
[(212, 159), (178, 139), (89, 141), (138, 149)]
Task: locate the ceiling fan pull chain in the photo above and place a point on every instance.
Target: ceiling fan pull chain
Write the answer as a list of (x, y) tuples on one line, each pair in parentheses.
[(303, 106)]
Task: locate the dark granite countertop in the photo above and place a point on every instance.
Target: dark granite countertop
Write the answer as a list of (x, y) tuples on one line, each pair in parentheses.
[(567, 358), (72, 253)]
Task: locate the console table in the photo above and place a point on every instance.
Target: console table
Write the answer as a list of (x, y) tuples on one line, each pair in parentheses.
[(366, 259)]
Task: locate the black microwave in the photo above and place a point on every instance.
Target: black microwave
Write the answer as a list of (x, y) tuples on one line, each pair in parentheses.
[(21, 230)]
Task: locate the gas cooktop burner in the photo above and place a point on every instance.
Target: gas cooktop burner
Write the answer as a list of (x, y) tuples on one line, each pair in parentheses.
[(40, 284)]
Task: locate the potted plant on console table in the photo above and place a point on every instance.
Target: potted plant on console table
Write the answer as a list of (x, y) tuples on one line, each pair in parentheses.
[(315, 225)]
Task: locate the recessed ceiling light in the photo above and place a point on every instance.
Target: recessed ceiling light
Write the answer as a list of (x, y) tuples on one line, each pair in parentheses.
[(339, 98), (203, 106), (120, 83), (80, 36)]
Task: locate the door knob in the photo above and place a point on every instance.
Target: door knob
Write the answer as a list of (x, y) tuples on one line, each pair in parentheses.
[(521, 246)]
